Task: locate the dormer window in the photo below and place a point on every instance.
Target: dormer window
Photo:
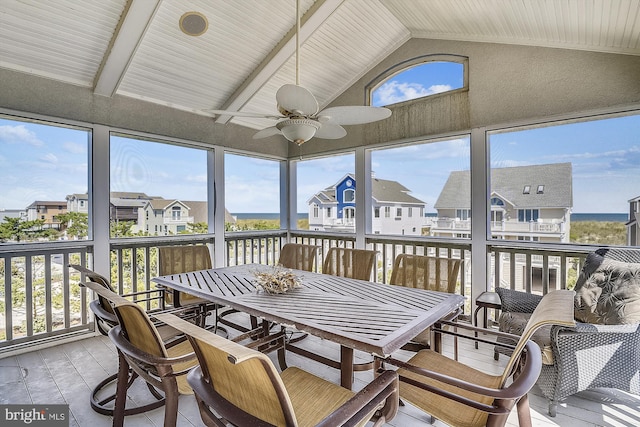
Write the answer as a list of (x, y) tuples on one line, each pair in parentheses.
[(540, 189), (527, 189)]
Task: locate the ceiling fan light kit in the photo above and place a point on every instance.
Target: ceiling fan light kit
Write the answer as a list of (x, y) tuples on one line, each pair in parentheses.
[(300, 120), (298, 131)]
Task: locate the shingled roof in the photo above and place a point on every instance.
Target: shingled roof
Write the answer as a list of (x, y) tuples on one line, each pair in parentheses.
[(383, 191), (509, 184)]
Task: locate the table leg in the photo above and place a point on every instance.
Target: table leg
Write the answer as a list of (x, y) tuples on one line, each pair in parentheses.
[(346, 367)]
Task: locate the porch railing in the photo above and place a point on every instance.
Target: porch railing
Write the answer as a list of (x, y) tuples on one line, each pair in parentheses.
[(41, 300)]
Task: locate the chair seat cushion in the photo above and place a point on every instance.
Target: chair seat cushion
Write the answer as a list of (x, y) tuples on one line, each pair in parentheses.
[(514, 323), (447, 410), (610, 295), (313, 398)]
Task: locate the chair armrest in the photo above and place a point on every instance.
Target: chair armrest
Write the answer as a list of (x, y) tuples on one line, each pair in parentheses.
[(518, 301), (522, 383), (384, 390), (133, 352), (476, 329)]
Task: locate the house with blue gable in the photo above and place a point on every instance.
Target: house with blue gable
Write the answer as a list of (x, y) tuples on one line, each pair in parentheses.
[(395, 211)]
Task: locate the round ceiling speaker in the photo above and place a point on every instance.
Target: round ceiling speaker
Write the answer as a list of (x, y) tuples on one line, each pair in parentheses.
[(193, 23)]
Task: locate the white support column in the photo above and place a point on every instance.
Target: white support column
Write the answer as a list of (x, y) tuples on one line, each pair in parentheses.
[(99, 199), (480, 190), (289, 195), (363, 192), (215, 192)]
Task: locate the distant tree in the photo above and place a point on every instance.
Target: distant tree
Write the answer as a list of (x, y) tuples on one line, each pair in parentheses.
[(196, 228), (18, 229), (121, 228), (76, 223)]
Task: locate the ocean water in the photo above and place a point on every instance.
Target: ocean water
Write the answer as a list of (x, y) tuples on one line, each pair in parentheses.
[(263, 215), (612, 217)]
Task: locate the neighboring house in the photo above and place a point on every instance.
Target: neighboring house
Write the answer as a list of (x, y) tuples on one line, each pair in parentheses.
[(527, 203), (633, 225), (123, 205), (48, 212), (78, 203), (394, 210), (13, 213), (165, 217)]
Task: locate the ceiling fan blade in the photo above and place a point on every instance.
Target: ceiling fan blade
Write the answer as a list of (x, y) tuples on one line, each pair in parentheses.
[(296, 99), (243, 114), (353, 115), (267, 132), (330, 131)]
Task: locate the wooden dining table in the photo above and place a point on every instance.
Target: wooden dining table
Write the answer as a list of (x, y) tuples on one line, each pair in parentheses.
[(358, 315)]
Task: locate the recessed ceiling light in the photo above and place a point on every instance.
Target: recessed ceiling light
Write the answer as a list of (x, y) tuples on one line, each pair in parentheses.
[(193, 23)]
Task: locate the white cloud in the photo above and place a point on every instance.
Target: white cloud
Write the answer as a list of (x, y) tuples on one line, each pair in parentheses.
[(394, 91), (19, 134), (74, 147), (49, 158), (196, 178)]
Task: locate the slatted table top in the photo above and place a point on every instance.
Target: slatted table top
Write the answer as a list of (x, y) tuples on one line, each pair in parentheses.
[(367, 316)]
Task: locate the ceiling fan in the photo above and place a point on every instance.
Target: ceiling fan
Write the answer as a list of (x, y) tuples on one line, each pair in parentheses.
[(300, 119)]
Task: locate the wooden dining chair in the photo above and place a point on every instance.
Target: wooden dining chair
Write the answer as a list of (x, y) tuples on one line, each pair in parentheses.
[(298, 256), (162, 357), (349, 262), (429, 273), (238, 385), (460, 395)]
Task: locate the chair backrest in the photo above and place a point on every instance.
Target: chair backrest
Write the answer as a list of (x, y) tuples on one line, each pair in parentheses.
[(138, 328), (298, 256), (181, 259), (103, 311), (93, 276), (352, 263), (555, 308), (245, 382), (426, 272)]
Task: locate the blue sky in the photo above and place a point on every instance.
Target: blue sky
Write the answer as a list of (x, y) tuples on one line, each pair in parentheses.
[(40, 162)]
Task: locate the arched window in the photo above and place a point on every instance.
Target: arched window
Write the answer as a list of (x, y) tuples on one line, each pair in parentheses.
[(349, 195), (418, 78)]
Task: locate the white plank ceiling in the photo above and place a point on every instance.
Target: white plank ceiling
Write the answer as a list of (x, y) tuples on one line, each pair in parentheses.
[(135, 48)]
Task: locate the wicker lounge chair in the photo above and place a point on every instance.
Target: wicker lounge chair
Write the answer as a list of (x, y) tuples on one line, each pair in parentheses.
[(242, 386), (352, 263), (463, 396), (603, 349)]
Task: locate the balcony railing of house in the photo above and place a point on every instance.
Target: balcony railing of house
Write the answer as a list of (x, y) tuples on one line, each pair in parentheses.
[(178, 220), (46, 302), (506, 226)]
